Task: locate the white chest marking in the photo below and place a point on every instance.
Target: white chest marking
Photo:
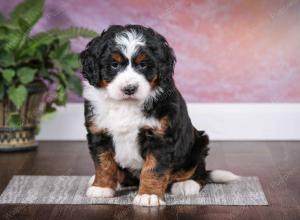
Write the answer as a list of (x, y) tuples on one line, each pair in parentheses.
[(122, 119)]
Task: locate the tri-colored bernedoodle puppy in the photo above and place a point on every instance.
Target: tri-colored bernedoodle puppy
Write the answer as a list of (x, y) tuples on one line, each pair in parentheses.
[(139, 131)]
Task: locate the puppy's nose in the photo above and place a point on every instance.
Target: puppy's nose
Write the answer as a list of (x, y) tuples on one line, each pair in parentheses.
[(130, 89)]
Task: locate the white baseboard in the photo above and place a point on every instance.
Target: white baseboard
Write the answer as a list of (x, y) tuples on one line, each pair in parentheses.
[(221, 121)]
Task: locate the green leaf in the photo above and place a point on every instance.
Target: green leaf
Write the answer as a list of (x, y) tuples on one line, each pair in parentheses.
[(17, 95), (7, 26), (14, 120), (62, 79), (13, 36), (26, 75), (75, 84), (7, 32), (57, 34), (61, 51), (38, 56), (15, 40), (22, 19), (27, 13), (69, 64), (61, 98), (6, 59), (72, 60), (8, 75)]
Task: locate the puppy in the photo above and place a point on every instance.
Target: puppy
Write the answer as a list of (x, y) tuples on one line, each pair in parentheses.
[(138, 128)]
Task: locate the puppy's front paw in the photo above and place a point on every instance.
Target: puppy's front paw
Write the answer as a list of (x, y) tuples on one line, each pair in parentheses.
[(92, 179), (100, 192), (186, 188), (148, 200)]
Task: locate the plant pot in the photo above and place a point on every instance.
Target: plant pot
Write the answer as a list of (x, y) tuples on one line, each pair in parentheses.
[(23, 138)]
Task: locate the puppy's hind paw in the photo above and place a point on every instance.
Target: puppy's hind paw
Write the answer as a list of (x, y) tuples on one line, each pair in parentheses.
[(186, 188), (99, 192)]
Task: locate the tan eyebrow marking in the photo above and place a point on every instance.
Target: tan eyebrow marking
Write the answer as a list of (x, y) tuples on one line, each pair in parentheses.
[(117, 57), (140, 58), (154, 82), (103, 83)]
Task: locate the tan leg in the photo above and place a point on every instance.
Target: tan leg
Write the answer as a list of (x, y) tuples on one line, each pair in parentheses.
[(106, 178), (106, 171), (152, 184)]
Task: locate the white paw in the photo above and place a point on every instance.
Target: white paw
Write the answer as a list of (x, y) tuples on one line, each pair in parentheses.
[(148, 200), (188, 187), (102, 192), (91, 180)]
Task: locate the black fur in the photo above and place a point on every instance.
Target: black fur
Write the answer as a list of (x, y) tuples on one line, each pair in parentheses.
[(182, 147)]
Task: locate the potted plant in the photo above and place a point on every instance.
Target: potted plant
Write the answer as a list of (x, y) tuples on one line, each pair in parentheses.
[(36, 73)]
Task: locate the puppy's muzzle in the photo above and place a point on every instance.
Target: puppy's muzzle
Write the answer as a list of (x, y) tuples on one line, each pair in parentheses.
[(130, 89)]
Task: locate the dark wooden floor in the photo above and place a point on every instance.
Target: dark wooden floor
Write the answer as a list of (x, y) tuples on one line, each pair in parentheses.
[(277, 164)]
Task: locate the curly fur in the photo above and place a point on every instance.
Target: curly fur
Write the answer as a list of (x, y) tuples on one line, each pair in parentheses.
[(156, 122)]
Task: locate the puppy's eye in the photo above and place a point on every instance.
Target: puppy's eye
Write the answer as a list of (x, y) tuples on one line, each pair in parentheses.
[(114, 65), (142, 65)]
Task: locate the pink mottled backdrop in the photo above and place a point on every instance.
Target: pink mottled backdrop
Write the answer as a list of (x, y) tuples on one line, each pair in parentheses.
[(227, 51)]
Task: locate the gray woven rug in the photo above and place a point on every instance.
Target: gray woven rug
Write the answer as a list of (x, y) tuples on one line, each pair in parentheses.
[(71, 190)]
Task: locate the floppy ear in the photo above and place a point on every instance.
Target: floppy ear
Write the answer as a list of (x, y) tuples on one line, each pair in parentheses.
[(170, 59), (90, 57), (90, 60), (166, 56)]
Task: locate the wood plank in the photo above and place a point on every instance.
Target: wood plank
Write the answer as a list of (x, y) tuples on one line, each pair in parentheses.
[(277, 164)]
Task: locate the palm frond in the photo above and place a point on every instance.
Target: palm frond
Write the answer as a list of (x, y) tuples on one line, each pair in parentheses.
[(22, 19), (27, 13), (60, 34)]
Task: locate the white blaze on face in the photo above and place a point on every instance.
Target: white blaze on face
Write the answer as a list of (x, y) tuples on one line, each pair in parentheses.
[(129, 42)]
